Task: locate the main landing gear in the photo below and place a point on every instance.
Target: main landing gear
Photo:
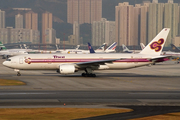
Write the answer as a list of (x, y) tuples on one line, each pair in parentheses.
[(88, 73)]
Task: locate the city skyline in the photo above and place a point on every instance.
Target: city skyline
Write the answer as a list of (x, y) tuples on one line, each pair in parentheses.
[(138, 23)]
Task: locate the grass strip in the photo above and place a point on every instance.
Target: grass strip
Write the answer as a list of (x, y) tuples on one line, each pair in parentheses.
[(4, 82), (168, 116), (55, 113)]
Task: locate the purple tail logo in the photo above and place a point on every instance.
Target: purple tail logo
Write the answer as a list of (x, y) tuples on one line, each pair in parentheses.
[(157, 45)]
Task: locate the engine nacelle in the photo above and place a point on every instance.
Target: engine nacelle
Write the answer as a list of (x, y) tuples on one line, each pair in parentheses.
[(66, 69)]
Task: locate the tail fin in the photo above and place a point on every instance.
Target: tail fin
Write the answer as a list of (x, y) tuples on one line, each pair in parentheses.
[(112, 47), (2, 47), (77, 47), (125, 49), (142, 46), (57, 48), (25, 46), (174, 48), (156, 45), (91, 50), (102, 47)]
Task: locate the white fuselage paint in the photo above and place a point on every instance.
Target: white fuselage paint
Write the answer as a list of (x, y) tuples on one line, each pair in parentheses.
[(25, 62)]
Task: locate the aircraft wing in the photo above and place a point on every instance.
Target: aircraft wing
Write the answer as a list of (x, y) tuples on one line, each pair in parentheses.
[(160, 58), (94, 63)]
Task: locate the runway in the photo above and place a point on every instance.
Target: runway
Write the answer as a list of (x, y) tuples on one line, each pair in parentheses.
[(90, 97), (148, 86)]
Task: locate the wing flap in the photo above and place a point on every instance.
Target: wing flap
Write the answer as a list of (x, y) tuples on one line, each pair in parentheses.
[(94, 63), (160, 58)]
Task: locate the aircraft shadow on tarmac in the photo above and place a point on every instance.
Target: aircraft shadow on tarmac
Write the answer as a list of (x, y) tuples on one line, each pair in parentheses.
[(114, 75), (138, 112), (99, 75)]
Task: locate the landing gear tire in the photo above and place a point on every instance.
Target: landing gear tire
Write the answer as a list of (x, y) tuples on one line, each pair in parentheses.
[(18, 74), (88, 75)]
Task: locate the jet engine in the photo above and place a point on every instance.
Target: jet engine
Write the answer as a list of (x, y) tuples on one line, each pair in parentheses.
[(66, 69)]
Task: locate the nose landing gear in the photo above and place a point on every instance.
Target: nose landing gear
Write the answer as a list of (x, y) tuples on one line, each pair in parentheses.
[(18, 72)]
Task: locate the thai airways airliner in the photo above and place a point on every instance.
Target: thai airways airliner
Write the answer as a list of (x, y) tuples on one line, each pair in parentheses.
[(71, 63)]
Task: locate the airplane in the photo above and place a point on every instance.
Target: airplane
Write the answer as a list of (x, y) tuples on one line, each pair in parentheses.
[(126, 50), (2, 47), (99, 50), (174, 48), (175, 56), (175, 53), (76, 50), (142, 46), (110, 49), (6, 53), (71, 63)]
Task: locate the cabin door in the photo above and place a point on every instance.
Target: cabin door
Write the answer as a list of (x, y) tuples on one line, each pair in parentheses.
[(20, 60)]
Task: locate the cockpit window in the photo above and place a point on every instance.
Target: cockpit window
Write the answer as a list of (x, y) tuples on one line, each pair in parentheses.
[(8, 59)]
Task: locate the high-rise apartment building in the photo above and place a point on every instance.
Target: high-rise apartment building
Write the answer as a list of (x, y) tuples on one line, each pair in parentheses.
[(155, 19), (96, 10), (31, 20), (171, 17), (143, 23), (46, 24), (148, 20), (2, 19), (50, 37), (124, 18), (76, 32), (84, 11), (11, 35), (19, 21), (103, 32), (137, 11), (72, 11)]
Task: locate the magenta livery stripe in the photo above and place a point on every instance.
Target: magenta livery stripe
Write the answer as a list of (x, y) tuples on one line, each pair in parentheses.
[(29, 60)]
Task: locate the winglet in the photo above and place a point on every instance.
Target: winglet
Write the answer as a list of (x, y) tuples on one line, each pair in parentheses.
[(156, 45), (91, 50)]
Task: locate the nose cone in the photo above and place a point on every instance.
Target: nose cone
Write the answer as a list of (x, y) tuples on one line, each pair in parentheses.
[(5, 63)]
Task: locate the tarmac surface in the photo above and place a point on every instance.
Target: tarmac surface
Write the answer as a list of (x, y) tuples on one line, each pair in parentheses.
[(148, 90)]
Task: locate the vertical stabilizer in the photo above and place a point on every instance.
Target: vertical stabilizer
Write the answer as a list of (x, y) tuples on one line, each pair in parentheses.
[(77, 47), (156, 45), (142, 46), (25, 46), (2, 47), (102, 47), (91, 50), (112, 47), (125, 49)]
